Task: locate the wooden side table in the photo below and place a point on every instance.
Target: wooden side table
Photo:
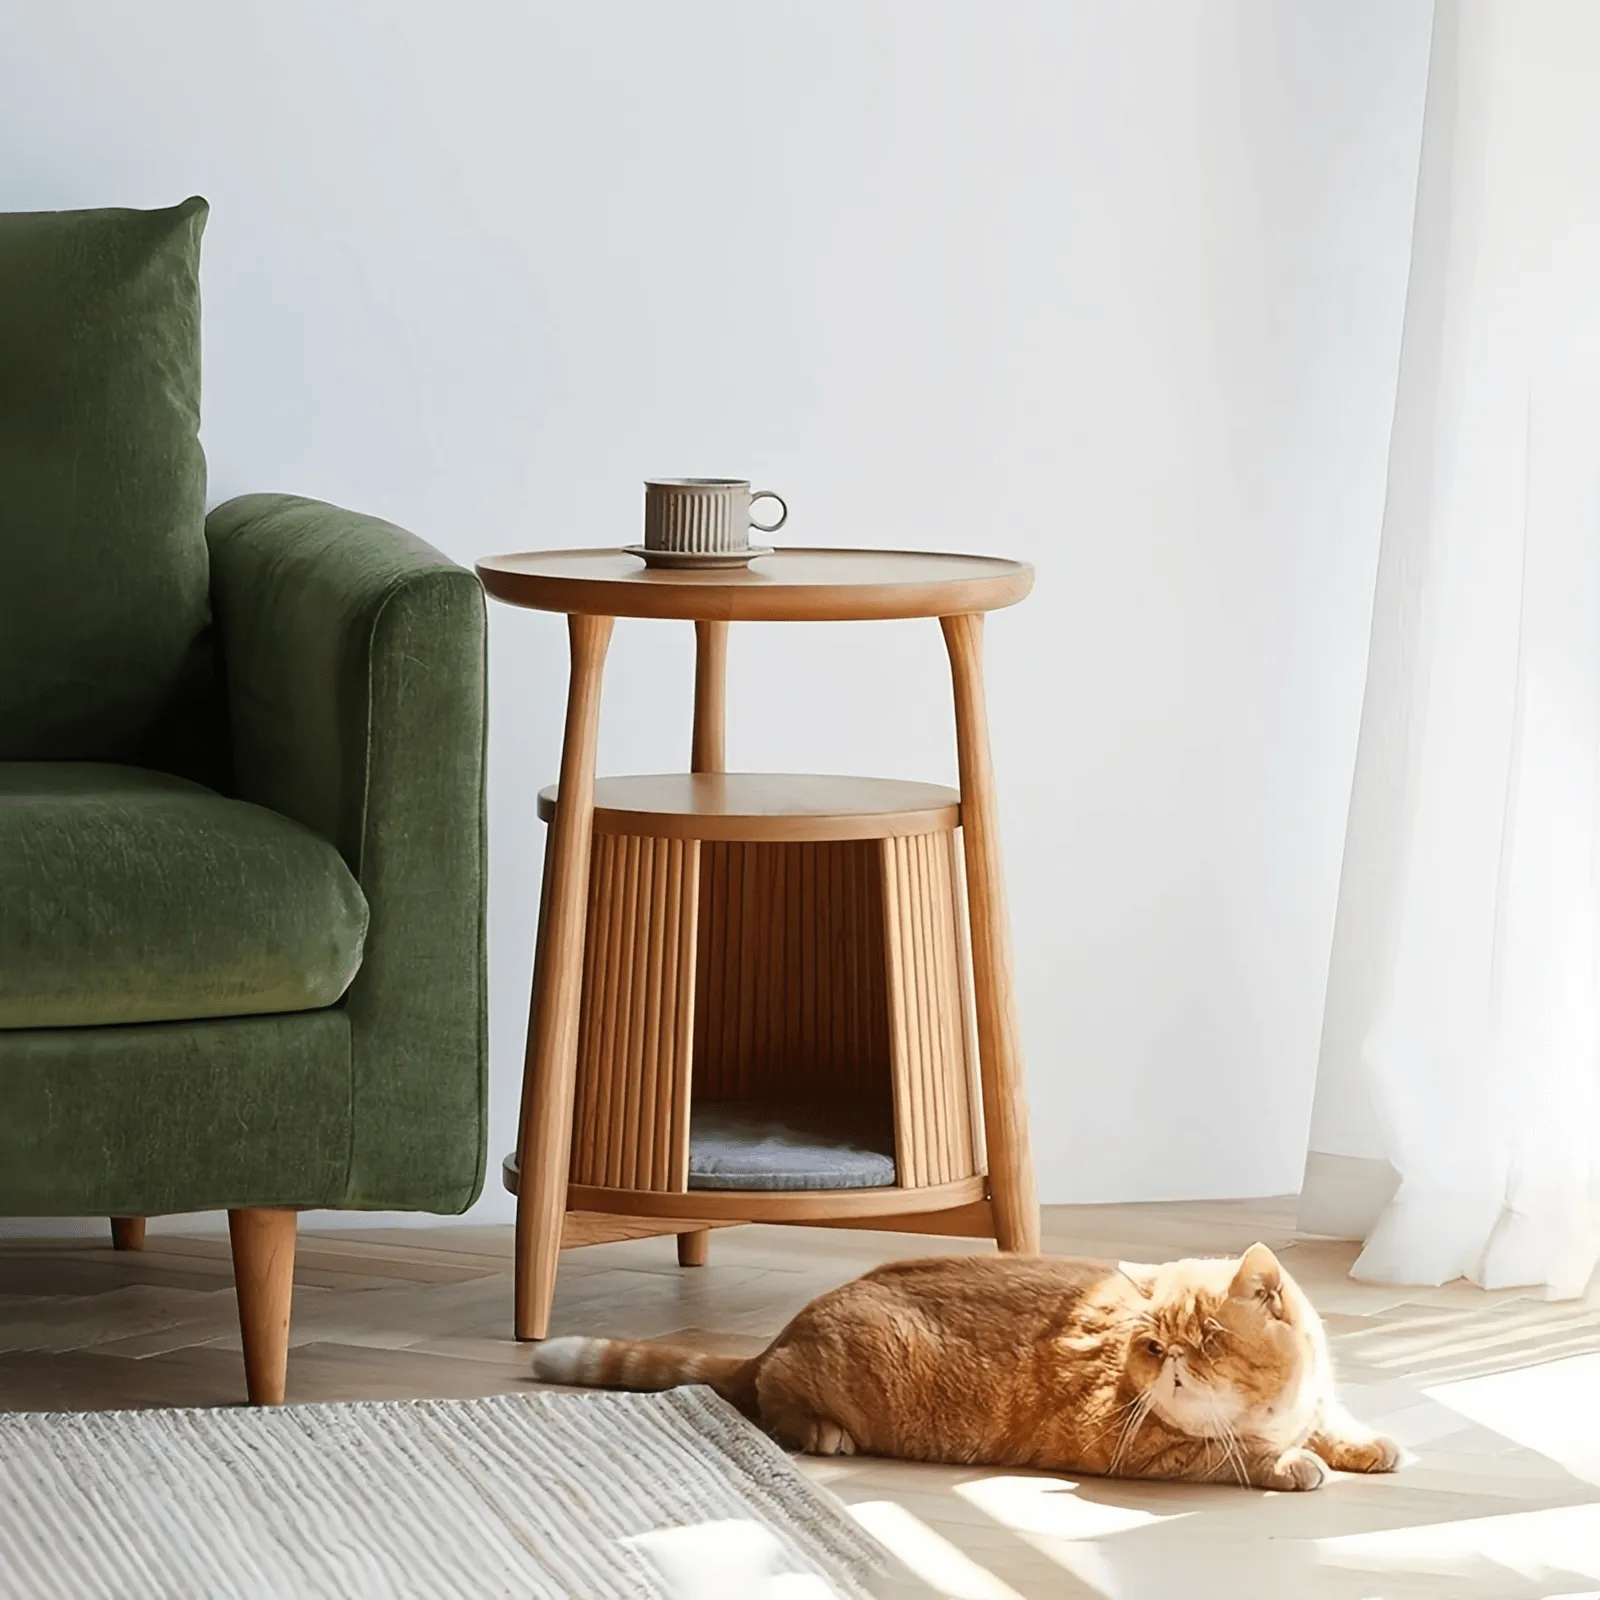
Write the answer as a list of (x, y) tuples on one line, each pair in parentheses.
[(751, 950)]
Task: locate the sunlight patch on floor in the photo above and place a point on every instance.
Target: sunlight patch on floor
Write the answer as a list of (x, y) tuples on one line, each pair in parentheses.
[(1051, 1506), (1050, 1515), (938, 1563), (732, 1559), (1553, 1408), (1559, 1542)]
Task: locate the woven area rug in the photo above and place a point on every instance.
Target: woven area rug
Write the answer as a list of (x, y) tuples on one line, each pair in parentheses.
[(558, 1495)]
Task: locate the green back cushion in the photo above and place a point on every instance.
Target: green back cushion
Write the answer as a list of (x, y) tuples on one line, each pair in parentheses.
[(103, 572)]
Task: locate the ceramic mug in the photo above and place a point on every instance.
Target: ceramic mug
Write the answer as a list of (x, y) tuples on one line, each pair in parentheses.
[(704, 516)]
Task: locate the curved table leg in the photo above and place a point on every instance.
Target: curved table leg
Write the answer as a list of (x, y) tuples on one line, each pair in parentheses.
[(1005, 1105), (544, 1140), (708, 753)]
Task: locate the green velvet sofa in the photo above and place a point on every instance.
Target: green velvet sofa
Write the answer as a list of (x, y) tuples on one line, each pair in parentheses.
[(241, 800)]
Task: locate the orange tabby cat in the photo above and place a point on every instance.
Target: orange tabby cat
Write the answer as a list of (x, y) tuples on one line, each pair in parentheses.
[(1202, 1370)]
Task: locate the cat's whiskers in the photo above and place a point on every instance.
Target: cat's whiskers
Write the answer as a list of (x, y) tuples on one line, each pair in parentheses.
[(1233, 1454), (1141, 1410), (1116, 1418)]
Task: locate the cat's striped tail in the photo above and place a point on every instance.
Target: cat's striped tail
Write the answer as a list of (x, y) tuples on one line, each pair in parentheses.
[(638, 1364)]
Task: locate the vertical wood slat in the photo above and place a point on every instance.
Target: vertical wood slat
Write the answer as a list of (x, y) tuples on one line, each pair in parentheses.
[(931, 1062), (928, 1063), (637, 1014), (613, 1045), (908, 1168), (597, 1033), (623, 975), (955, 1116), (711, 1001), (621, 982), (658, 1053), (808, 951), (794, 990), (856, 941), (915, 1001), (739, 937), (645, 1025), (968, 1018), (935, 1066), (769, 944), (592, 1034), (655, 1161), (686, 869), (838, 964), (917, 1024), (936, 897)]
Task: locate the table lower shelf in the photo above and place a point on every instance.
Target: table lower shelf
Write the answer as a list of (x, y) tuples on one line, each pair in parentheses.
[(766, 807), (771, 1205)]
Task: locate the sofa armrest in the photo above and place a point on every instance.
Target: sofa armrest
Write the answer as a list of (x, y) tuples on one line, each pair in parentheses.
[(353, 656)]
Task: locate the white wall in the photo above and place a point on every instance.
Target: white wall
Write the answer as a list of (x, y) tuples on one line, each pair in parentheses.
[(1114, 287)]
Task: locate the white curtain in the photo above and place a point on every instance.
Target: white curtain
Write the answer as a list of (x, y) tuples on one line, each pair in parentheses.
[(1457, 1119)]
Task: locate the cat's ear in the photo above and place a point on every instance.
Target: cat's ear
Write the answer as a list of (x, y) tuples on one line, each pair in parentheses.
[(1142, 1278), (1258, 1274)]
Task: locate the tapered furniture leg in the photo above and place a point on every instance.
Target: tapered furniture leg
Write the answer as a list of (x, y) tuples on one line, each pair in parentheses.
[(694, 1249), (263, 1279), (544, 1140), (708, 753), (1005, 1106), (127, 1233)]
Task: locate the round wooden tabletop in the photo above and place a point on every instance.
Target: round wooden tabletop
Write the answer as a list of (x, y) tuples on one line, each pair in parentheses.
[(768, 807), (788, 586)]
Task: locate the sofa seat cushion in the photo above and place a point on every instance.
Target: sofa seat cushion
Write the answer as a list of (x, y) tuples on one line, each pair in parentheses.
[(132, 896)]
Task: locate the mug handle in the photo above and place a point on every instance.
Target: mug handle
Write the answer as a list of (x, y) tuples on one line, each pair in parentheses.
[(769, 527)]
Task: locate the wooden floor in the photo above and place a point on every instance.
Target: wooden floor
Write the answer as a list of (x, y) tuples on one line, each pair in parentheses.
[(1497, 1396)]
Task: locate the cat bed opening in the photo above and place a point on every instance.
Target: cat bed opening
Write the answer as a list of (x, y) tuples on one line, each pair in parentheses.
[(734, 1145)]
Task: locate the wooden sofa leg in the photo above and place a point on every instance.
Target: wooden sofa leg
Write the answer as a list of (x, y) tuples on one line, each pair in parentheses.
[(694, 1249), (127, 1233), (263, 1279)]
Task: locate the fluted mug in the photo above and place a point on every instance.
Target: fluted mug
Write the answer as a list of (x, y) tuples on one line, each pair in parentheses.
[(704, 516)]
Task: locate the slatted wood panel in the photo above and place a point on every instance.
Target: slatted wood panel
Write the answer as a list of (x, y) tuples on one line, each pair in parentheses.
[(632, 1091), (964, 975), (934, 1116), (790, 996)]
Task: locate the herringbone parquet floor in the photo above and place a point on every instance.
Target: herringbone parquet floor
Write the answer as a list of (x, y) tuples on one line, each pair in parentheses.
[(1496, 1396)]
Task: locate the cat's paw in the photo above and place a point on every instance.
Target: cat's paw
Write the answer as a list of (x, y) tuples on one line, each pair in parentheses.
[(1353, 1449), (1297, 1470), (826, 1438), (1377, 1454)]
